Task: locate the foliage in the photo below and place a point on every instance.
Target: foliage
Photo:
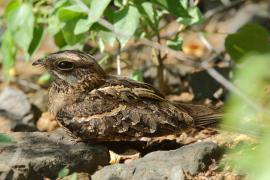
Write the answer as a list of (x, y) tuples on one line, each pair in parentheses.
[(65, 172), (6, 139), (253, 79), (250, 38), (72, 23)]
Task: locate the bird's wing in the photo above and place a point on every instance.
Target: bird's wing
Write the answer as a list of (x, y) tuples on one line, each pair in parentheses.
[(122, 108), (140, 89)]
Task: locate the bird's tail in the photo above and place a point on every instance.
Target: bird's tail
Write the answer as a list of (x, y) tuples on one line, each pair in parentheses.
[(202, 115)]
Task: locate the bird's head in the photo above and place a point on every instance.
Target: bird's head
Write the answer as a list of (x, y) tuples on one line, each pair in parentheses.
[(70, 66)]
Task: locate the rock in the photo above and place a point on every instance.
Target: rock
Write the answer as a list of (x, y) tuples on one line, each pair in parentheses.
[(36, 155), (40, 99), (15, 106), (161, 165)]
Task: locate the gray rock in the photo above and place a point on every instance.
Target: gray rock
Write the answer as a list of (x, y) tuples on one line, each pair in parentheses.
[(36, 155), (161, 165), (15, 106), (40, 99)]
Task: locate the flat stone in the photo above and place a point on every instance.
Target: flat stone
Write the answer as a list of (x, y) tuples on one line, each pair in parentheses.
[(161, 165), (35, 155)]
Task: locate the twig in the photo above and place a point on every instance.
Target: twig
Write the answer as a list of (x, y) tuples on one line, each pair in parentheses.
[(118, 61), (211, 13), (160, 68)]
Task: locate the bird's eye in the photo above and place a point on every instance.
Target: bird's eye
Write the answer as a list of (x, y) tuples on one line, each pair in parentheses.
[(65, 65)]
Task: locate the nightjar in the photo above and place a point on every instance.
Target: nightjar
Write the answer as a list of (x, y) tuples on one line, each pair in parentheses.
[(94, 106)]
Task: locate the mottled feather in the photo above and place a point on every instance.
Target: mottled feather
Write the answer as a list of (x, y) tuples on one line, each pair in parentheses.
[(94, 106)]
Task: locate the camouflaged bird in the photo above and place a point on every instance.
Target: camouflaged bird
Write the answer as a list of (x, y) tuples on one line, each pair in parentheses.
[(97, 107)]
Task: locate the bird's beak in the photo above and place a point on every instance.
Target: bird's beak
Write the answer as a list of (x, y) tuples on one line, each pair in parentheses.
[(39, 62)]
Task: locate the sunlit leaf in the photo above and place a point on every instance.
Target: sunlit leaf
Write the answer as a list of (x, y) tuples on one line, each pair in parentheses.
[(21, 25), (125, 23), (73, 176), (82, 26), (68, 13), (11, 6), (174, 7), (106, 35), (8, 52), (175, 44), (148, 11), (195, 16), (54, 25), (63, 173), (96, 10)]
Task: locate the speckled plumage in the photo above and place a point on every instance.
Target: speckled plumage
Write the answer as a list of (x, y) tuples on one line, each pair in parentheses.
[(94, 106)]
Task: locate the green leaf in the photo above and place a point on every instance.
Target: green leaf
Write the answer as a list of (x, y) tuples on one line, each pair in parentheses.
[(149, 10), (82, 26), (106, 35), (252, 79), (87, 2), (6, 139), (195, 17), (148, 13), (11, 6), (68, 33), (185, 3), (175, 44), (60, 40), (96, 10), (21, 25), (54, 25), (59, 3), (8, 50), (125, 23), (69, 13), (254, 69), (38, 34), (73, 176), (174, 7), (63, 173), (70, 16), (44, 79), (249, 38), (137, 75), (118, 3)]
